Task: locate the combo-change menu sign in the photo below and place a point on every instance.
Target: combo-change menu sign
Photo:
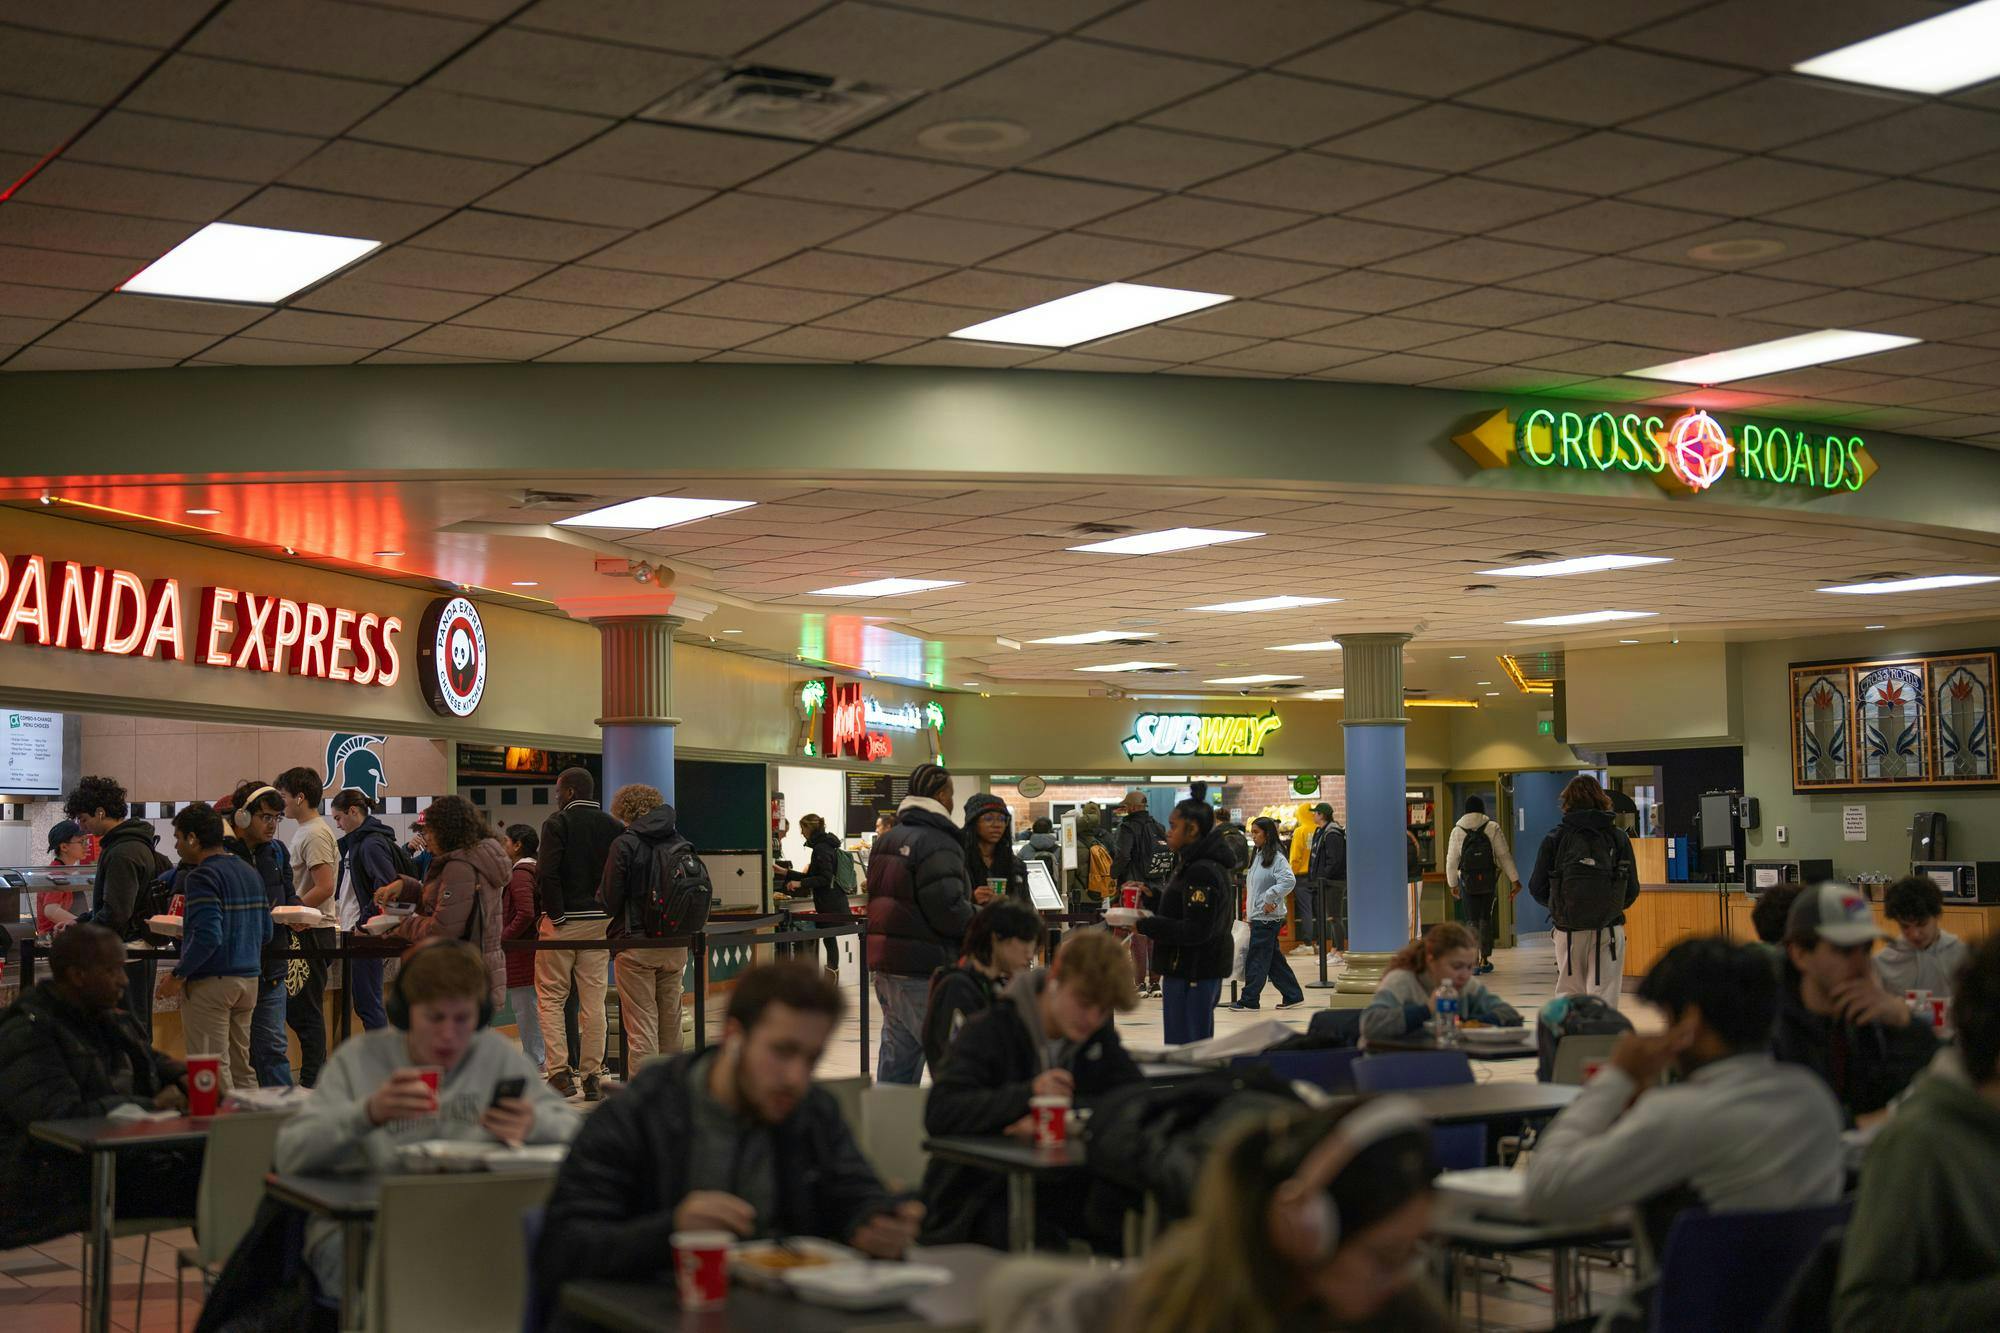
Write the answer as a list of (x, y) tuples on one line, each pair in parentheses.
[(31, 749)]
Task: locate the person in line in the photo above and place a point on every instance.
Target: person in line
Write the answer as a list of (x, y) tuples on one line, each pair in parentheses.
[(1586, 876), (315, 855), (1091, 884), (919, 905), (820, 881), (1001, 942), (56, 908), (649, 980), (517, 910), (1298, 851), (1189, 929), (1768, 917), (1402, 1003), (128, 860), (1739, 1132), (1045, 845), (576, 842), (224, 928), (1476, 863), (1140, 856), (989, 850), (461, 892), (1271, 882), (417, 849), (1922, 954), (1326, 874), (1052, 1034), (735, 1138), (1833, 1015), (1302, 1220), (368, 861), (374, 1100), (1923, 1248), (254, 812)]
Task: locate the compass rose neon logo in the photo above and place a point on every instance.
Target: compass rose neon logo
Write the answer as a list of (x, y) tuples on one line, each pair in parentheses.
[(1698, 450)]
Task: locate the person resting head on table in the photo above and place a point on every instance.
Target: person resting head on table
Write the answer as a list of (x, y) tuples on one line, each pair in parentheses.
[(372, 1098), (735, 1138), (1302, 1220), (1402, 1003)]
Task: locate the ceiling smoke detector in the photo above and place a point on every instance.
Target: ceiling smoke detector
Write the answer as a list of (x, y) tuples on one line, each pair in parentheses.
[(777, 103)]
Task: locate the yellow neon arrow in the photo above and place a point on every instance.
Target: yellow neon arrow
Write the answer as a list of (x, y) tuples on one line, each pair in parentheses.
[(1866, 462), (1491, 442)]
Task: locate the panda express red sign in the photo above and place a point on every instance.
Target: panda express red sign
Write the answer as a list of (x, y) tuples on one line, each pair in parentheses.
[(91, 609)]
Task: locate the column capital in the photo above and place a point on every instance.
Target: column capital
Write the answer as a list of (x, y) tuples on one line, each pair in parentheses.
[(637, 652), (638, 602), (1371, 671)]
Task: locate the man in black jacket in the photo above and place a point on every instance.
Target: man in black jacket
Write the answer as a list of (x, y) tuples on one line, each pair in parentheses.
[(820, 882), (1051, 1034), (919, 904), (367, 862), (67, 1051), (576, 842), (128, 861), (735, 1138)]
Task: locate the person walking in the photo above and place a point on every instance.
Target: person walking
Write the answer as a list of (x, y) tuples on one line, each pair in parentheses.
[(1271, 882), (517, 909), (919, 905), (649, 980), (1586, 876), (224, 928), (1475, 862), (1190, 927), (576, 842), (989, 851)]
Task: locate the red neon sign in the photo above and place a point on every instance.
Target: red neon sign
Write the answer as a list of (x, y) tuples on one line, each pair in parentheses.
[(844, 726)]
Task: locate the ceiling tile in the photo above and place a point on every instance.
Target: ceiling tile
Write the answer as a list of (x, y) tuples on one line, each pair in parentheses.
[(1259, 34), (1502, 346), (1164, 344), (1777, 34), (1085, 361), (596, 286), (267, 352), (1612, 322), (1256, 319), (831, 344), (1450, 138), (132, 311), (151, 194), (348, 295), (77, 337), (1508, 379), (565, 73), (892, 47), (508, 312), (987, 290), (706, 27), (1314, 182), (35, 126), (1726, 294), (158, 24), (1272, 108), (334, 214), (1924, 136), (478, 127), (1384, 333), (1924, 359), (777, 305), (497, 344), (56, 358), (1091, 258), (65, 68), (334, 330), (88, 233), (1604, 85), (1048, 15), (1024, 197), (17, 329), (1796, 241), (1607, 278), (1479, 259), (733, 234), (1399, 368), (1490, 307), (607, 350), (1365, 292), (55, 268), (1978, 280), (1136, 155), (1861, 263), (859, 275), (1893, 206), (1607, 359), (1768, 114), (693, 330), (681, 156), (577, 196), (1966, 322), (871, 180), (406, 265), (1978, 231), (358, 41), (1751, 186), (1608, 162), (1982, 172), (1467, 204), (1609, 225), (398, 173), (1233, 274), (1181, 220), (935, 240), (1342, 241), (248, 95), (914, 319), (1286, 358), (1585, 18), (1846, 310), (955, 352), (44, 303), (1430, 55)]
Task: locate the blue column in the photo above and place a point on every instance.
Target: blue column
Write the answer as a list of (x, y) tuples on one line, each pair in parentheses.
[(639, 752), (1378, 898), (637, 701)]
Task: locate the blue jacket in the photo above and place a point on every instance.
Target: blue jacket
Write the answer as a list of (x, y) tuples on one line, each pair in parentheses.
[(1270, 885), (227, 920), (367, 862), (273, 863)]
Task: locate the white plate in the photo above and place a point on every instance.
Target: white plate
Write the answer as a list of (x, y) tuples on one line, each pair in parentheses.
[(864, 1286), (534, 1157), (164, 925), (443, 1155), (1121, 916), (299, 918), (773, 1279)]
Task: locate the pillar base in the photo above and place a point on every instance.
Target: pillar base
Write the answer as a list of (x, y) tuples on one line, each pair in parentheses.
[(1364, 973)]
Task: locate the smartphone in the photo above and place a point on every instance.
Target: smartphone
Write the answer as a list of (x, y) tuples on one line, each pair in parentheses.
[(507, 1087)]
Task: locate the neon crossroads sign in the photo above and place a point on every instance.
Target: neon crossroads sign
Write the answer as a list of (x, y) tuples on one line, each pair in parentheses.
[(1224, 735), (1688, 454)]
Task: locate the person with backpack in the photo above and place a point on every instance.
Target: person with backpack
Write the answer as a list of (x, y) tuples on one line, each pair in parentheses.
[(1474, 862), (1003, 939), (370, 857), (827, 880), (1045, 845), (1190, 926), (576, 843), (1142, 857), (655, 887), (1586, 876), (461, 893), (128, 861), (1091, 883)]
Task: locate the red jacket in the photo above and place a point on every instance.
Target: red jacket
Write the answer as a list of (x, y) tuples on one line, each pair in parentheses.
[(517, 911)]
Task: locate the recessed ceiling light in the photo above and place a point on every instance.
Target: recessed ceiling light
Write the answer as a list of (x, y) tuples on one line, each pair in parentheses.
[(1586, 618), (1493, 694), (530, 583), (1098, 636), (1323, 646), (886, 587), (1805, 349), (1628, 641), (1129, 666), (1582, 564), (1284, 603), (1482, 682), (653, 511), (203, 512), (973, 136), (1097, 313), (1953, 50), (1262, 679), (1874, 627), (1169, 539), (1334, 693), (1923, 584), (387, 554), (1738, 250), (1458, 657), (732, 631), (228, 262)]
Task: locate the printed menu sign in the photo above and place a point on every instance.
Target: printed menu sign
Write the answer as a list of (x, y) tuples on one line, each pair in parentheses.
[(31, 749), (870, 795)]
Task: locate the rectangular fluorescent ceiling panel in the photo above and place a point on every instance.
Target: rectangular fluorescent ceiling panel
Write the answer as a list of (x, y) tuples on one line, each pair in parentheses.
[(886, 587), (1265, 679), (1323, 646), (1168, 539), (653, 511), (1268, 604), (1742, 363), (1097, 313), (1099, 636), (1584, 618), (1130, 666), (1914, 585), (1953, 50), (1337, 692), (1582, 564), (228, 262)]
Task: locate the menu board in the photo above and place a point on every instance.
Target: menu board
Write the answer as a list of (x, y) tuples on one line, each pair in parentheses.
[(31, 751), (870, 795), (1042, 887)]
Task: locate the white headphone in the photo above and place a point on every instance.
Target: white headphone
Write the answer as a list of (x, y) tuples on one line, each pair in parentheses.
[(1315, 1216), (240, 816)]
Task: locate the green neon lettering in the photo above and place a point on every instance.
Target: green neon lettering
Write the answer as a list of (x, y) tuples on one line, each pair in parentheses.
[(1802, 461), (1750, 454), (1854, 465), (1780, 464), (1608, 458), (1832, 462), (1570, 429), (1631, 455), (1656, 457), (1524, 436)]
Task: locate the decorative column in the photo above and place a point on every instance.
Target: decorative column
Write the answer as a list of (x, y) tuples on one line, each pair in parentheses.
[(637, 697), (1378, 895)]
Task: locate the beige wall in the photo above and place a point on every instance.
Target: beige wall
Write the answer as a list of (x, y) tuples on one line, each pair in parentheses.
[(1648, 695), (173, 759), (1500, 736)]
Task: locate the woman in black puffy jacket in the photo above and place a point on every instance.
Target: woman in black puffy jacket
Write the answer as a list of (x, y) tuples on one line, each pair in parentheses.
[(1190, 924)]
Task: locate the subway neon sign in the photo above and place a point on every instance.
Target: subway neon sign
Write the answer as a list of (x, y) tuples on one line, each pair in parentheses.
[(1225, 735)]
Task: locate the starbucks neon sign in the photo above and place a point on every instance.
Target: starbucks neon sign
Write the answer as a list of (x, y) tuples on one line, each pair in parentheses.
[(1225, 735)]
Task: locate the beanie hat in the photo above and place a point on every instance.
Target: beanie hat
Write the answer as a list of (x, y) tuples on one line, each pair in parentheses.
[(928, 781), (984, 802)]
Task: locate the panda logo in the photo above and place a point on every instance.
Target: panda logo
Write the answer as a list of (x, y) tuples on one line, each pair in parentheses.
[(453, 648)]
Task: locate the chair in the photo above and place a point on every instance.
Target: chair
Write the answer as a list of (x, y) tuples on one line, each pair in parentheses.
[(847, 1092), (1730, 1270), (1459, 1147), (1329, 1070), (434, 1261), (892, 1132), (238, 1155), (531, 1301), (1006, 1291), (1577, 1052)]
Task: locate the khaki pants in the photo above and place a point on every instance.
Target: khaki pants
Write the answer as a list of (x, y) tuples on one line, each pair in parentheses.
[(215, 1019), (649, 996), (555, 971)]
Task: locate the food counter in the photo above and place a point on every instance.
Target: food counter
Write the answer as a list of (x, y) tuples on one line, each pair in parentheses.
[(1971, 923), (1664, 915)]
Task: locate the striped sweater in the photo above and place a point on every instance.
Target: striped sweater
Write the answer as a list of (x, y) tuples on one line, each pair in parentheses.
[(227, 919)]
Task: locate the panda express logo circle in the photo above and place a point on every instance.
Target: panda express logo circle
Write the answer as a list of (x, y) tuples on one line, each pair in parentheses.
[(452, 653)]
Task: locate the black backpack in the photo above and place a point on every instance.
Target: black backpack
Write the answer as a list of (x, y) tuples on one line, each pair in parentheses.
[(1151, 860), (676, 902), (153, 900), (1593, 867), (1478, 872), (1573, 1016), (1333, 854)]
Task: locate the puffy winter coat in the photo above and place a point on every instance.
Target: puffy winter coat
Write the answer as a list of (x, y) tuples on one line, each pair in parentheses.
[(1190, 926), (919, 900)]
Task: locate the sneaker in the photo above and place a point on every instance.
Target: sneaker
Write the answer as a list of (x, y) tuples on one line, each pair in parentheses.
[(591, 1091), (1292, 1004), (561, 1084), (1484, 968), (1243, 1008)]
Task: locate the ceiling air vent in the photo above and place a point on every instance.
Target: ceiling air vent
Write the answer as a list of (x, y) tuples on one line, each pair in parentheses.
[(777, 103), (1101, 529), (1157, 671), (552, 500)]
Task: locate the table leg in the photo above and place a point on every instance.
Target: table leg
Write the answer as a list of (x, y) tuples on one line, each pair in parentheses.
[(1021, 1212), (1566, 1299), (353, 1248), (103, 1208)]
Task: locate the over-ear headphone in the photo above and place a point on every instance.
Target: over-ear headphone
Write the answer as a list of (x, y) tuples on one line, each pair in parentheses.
[(1313, 1215), (240, 816), (397, 1004)]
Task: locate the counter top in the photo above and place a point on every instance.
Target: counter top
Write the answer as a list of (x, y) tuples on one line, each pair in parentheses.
[(1687, 888)]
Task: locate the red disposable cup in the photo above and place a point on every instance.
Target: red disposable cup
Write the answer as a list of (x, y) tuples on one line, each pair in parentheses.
[(204, 1078), (178, 907), (430, 1074), (1051, 1115), (1129, 896), (1937, 1013), (701, 1268)]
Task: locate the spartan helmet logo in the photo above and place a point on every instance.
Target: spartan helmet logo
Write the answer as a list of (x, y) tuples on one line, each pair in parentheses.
[(352, 762)]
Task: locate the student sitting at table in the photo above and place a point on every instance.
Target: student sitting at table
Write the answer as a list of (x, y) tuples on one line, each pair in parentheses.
[(373, 1097), (1922, 955), (1003, 939), (1402, 1003), (68, 1051), (1302, 1220), (734, 1138), (1767, 918), (1050, 1035)]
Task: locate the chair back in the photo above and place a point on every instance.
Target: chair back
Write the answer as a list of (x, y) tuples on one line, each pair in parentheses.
[(1575, 1052), (892, 1132), (1459, 1147), (532, 1320), (1729, 1270), (1006, 1290), (1329, 1070), (437, 1260), (233, 1166), (847, 1092)]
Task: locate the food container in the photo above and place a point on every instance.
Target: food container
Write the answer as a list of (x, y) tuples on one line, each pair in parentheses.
[(767, 1263), (864, 1286), (169, 926)]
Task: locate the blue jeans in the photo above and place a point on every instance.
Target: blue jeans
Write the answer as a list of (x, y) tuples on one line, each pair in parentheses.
[(528, 1020), (268, 1053), (365, 975), (1188, 1009), (1263, 959), (903, 1000)]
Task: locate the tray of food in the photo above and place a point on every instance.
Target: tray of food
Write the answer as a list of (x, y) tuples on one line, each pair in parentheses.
[(864, 1286), (169, 926), (299, 918), (767, 1263)]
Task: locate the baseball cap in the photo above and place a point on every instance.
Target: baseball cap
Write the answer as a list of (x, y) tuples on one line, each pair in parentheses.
[(1323, 809), (66, 830), (1834, 912)]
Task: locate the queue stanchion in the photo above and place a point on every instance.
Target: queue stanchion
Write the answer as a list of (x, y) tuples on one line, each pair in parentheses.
[(701, 990), (861, 955), (1319, 940)]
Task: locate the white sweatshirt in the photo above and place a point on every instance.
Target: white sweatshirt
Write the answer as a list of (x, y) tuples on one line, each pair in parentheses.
[(1502, 858)]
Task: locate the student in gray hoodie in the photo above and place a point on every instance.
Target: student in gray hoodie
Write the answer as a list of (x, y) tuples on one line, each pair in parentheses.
[(1922, 955), (1402, 1003)]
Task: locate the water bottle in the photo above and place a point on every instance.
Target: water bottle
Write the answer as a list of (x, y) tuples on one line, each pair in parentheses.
[(1444, 1013)]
